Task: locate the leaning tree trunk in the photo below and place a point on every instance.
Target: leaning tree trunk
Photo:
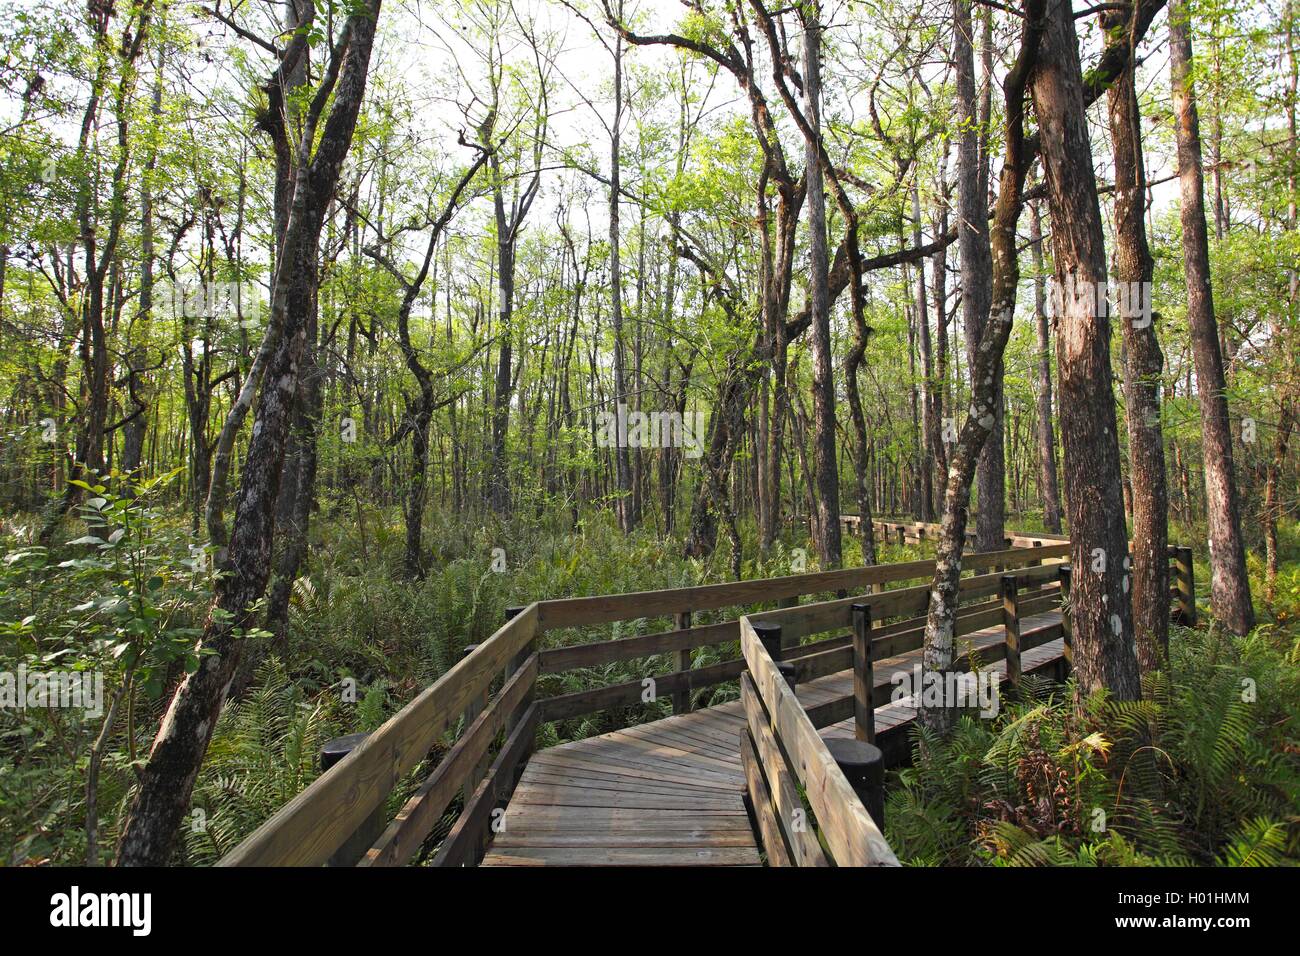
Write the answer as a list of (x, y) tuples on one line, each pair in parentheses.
[(1229, 586), (167, 779), (982, 421), (1142, 368), (1100, 603)]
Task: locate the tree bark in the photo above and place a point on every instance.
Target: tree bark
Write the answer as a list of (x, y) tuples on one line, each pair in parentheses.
[(627, 517), (1142, 370), (167, 779), (1050, 491), (981, 422), (977, 272), (824, 460), (1229, 585), (1101, 608)]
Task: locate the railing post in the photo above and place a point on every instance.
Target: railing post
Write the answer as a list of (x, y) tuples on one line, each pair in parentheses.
[(769, 635), (1067, 631), (365, 835), (902, 537), (864, 680), (864, 766), (1037, 562), (1011, 624), (682, 662), (1186, 588)]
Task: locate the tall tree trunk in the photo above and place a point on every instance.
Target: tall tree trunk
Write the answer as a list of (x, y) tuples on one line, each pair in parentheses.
[(977, 429), (137, 388), (1229, 585), (929, 413), (977, 272), (622, 456), (939, 283), (827, 471), (1050, 490), (1101, 608), (1142, 371)]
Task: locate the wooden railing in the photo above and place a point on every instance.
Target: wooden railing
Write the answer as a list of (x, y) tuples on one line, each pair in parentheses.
[(897, 531), (683, 604), (785, 761), (313, 825), (781, 750), (490, 698)]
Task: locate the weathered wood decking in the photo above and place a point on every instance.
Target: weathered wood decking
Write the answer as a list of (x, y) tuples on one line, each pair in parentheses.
[(670, 792)]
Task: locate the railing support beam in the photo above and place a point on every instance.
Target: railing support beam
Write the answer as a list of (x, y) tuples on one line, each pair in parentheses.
[(863, 764), (769, 634), (682, 662), (1067, 628), (864, 680), (1011, 624)]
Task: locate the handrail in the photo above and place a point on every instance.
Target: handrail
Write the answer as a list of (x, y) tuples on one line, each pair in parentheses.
[(315, 823), (781, 749), (607, 608), (886, 604), (494, 687), (781, 744)]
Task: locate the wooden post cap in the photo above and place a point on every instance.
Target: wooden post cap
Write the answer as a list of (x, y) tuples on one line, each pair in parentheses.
[(864, 766), (862, 763), (335, 750), (769, 634), (787, 671)]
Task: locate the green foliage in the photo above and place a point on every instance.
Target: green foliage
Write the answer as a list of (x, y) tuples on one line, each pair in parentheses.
[(121, 602), (1202, 770)]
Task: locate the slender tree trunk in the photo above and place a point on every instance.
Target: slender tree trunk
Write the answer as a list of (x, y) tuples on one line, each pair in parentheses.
[(1229, 585), (1142, 371), (622, 456), (939, 283), (1050, 490), (981, 422), (929, 414), (827, 472), (977, 272)]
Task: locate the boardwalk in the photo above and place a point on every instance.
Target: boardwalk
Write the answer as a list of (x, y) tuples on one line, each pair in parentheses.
[(746, 783), (669, 793)]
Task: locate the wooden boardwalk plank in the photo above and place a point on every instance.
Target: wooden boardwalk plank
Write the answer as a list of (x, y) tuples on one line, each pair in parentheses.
[(670, 792)]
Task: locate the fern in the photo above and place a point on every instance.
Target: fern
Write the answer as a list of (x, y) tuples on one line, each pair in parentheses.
[(1260, 842)]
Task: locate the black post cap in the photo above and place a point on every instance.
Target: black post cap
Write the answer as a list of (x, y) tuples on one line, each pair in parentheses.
[(335, 750), (863, 764)]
